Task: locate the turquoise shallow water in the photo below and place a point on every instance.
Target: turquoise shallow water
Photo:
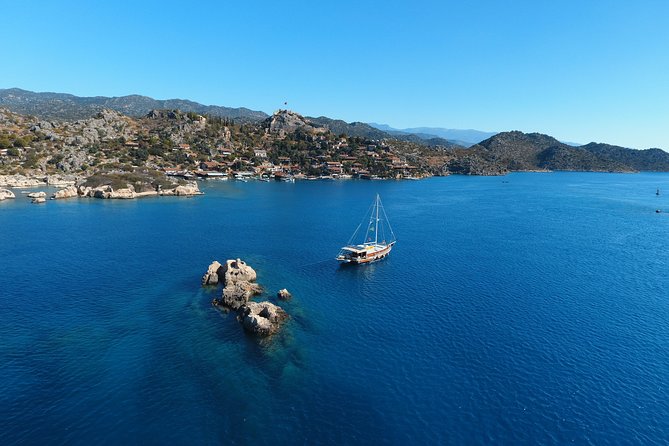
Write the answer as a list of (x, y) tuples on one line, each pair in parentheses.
[(532, 308)]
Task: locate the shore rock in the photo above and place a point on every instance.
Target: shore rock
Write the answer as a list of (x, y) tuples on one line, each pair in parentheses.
[(39, 194), (101, 192), (262, 318), (213, 274), (38, 200), (126, 193), (68, 192), (284, 295), (186, 190), (20, 181), (6, 193)]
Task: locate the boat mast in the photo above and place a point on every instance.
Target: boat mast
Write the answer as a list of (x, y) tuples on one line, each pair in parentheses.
[(376, 230)]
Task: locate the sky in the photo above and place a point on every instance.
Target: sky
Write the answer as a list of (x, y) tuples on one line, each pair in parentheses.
[(578, 70)]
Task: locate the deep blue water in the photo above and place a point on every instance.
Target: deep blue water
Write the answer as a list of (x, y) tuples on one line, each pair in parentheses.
[(531, 308)]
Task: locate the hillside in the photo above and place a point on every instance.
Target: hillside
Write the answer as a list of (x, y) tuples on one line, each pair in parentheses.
[(67, 107), (643, 160), (171, 140), (244, 141), (521, 151)]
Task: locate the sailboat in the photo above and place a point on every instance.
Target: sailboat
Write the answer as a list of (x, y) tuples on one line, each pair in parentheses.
[(374, 246)]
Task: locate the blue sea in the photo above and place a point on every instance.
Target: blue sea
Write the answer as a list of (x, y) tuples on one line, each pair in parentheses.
[(526, 309)]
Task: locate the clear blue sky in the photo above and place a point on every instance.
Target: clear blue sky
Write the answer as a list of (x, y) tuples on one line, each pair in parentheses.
[(578, 70)]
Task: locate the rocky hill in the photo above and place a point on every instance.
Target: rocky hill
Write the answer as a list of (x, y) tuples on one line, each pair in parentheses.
[(67, 107), (534, 151), (643, 160), (174, 140)]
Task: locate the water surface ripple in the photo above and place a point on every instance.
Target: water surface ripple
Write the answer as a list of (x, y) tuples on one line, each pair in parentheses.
[(526, 309)]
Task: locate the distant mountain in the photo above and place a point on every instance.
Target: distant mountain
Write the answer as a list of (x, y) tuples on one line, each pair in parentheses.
[(362, 130), (529, 151), (67, 107), (649, 159), (464, 138), (359, 129)]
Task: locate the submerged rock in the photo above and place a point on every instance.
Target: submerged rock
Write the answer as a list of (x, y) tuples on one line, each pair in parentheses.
[(38, 200), (262, 318), (284, 295), (6, 193)]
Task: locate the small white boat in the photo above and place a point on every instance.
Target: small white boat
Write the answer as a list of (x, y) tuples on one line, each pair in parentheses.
[(371, 249)]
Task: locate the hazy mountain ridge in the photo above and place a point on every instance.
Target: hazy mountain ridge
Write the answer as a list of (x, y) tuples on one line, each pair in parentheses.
[(462, 137), (67, 107), (365, 130)]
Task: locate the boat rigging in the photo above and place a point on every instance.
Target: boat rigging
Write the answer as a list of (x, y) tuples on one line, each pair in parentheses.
[(372, 248)]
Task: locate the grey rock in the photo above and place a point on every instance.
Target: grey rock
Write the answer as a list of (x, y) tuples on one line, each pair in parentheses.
[(284, 295), (68, 192), (262, 318), (213, 274), (238, 271), (238, 293), (6, 194)]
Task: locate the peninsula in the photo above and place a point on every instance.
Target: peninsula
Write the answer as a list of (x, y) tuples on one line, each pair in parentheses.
[(164, 149)]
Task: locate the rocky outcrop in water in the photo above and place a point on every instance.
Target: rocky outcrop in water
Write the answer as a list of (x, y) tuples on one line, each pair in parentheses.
[(238, 293), (39, 194), (38, 200), (238, 271), (213, 274), (6, 194), (238, 278), (262, 318), (284, 295)]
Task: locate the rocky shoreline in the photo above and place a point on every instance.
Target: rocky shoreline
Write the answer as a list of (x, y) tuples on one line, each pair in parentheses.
[(69, 188), (258, 318)]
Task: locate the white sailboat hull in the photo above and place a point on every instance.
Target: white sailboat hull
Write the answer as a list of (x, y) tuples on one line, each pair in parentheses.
[(352, 254)]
